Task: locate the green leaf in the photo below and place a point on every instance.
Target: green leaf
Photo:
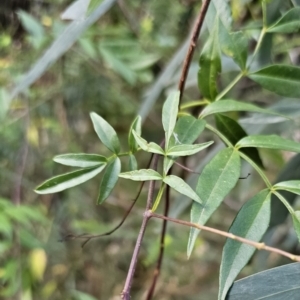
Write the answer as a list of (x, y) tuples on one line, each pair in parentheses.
[(292, 186), (187, 130), (235, 45), (68, 180), (168, 163), (270, 142), (234, 132), (106, 133), (81, 160), (274, 284), (141, 175), (288, 23), (181, 187), (132, 162), (296, 222), (233, 105), (149, 147), (137, 126), (210, 66), (109, 179), (185, 150), (251, 223), (169, 115), (216, 180), (283, 80)]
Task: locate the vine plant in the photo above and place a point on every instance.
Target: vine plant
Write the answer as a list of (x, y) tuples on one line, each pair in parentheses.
[(182, 129)]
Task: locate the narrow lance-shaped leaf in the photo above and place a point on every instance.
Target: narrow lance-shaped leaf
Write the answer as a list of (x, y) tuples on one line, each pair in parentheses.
[(106, 133), (292, 186), (283, 80), (187, 130), (251, 223), (68, 180), (234, 132), (216, 180), (288, 23), (185, 150), (81, 160), (235, 45), (270, 142), (169, 115), (141, 175), (149, 147), (274, 284), (233, 105), (181, 187), (137, 126), (132, 162), (296, 223), (210, 66), (109, 179)]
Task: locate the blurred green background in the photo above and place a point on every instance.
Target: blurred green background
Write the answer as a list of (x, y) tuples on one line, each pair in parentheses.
[(122, 65)]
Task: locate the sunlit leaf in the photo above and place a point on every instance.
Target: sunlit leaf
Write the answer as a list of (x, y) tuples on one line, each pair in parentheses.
[(141, 175), (81, 160), (149, 147), (270, 142), (109, 179), (68, 180), (181, 187), (137, 126), (251, 223), (233, 131), (216, 180), (292, 186), (210, 66), (106, 133), (233, 105), (184, 150), (169, 115), (235, 45), (274, 284), (283, 80), (288, 23)]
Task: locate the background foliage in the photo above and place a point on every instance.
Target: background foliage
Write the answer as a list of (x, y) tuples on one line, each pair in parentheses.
[(123, 64)]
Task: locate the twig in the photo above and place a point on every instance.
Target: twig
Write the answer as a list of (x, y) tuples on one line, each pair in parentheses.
[(161, 248), (185, 168), (126, 290), (259, 246), (194, 38)]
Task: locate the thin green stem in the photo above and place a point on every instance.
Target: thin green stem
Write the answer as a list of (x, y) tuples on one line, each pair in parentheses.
[(230, 86), (219, 134), (194, 104), (158, 197), (284, 201), (264, 13), (257, 168)]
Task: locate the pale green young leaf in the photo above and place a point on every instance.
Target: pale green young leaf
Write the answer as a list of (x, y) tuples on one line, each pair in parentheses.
[(283, 80), (187, 130), (216, 180), (132, 162), (81, 160), (68, 180), (292, 186), (235, 45), (141, 175), (148, 147), (137, 126), (288, 23), (181, 187), (185, 150), (270, 142), (109, 179), (106, 133), (169, 115), (233, 105), (168, 163), (251, 222), (210, 66), (296, 223)]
